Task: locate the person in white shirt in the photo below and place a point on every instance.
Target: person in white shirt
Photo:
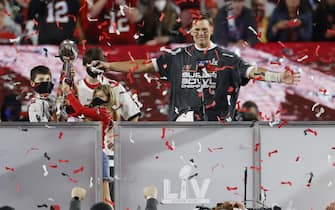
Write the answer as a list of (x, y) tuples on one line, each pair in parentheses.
[(43, 105), (129, 110)]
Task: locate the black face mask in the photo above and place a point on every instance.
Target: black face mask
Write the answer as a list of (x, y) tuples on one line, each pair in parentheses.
[(97, 102), (91, 73), (44, 87)]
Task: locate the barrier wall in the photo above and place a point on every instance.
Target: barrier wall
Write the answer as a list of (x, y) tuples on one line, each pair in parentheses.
[(279, 160), (40, 163), (160, 154)]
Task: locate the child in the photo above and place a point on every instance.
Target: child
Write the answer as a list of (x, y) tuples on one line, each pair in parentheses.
[(42, 106)]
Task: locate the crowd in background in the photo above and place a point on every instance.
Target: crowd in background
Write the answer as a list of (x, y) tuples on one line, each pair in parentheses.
[(158, 22)]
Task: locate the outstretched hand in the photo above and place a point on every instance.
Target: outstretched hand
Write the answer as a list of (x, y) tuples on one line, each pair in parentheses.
[(290, 77), (100, 64)]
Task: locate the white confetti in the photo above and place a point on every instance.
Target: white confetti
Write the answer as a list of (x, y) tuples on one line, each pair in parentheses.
[(303, 58), (322, 110), (200, 147), (16, 40), (122, 7), (176, 110), (91, 19), (45, 170), (330, 184), (131, 138), (51, 199), (276, 122), (314, 106), (91, 182), (252, 29)]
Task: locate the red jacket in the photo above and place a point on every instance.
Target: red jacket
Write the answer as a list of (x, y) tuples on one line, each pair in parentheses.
[(101, 114)]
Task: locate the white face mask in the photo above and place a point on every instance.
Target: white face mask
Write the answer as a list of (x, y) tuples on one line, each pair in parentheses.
[(160, 5)]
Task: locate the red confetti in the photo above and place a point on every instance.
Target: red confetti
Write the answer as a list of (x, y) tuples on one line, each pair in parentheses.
[(293, 23), (35, 22), (275, 63), (309, 130), (213, 104), (9, 168), (238, 104), (287, 68), (256, 147), (259, 35), (232, 188), (73, 17), (285, 122), (59, 26), (255, 168), (273, 152), (281, 43), (79, 170), (263, 188), (317, 50), (105, 23), (323, 91), (157, 157), (286, 182), (210, 150), (60, 135), (73, 180), (217, 148), (82, 7), (161, 17), (333, 148), (53, 165), (231, 17), (148, 60), (63, 161), (168, 145), (163, 133), (182, 31), (230, 89)]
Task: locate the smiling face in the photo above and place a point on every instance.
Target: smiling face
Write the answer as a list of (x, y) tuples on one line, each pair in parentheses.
[(201, 32)]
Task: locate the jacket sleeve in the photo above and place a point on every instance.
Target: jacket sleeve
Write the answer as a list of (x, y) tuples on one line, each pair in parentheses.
[(96, 114)]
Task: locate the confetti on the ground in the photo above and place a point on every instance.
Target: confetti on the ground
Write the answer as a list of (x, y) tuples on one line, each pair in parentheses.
[(168, 145), (46, 156), (289, 183), (131, 138), (311, 175), (256, 168), (53, 166), (309, 130), (31, 149), (297, 158), (42, 206), (91, 182), (65, 174), (7, 168), (63, 161), (79, 170), (264, 189), (231, 188), (285, 122), (60, 135), (163, 133), (200, 147), (45, 171), (272, 153), (73, 180)]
